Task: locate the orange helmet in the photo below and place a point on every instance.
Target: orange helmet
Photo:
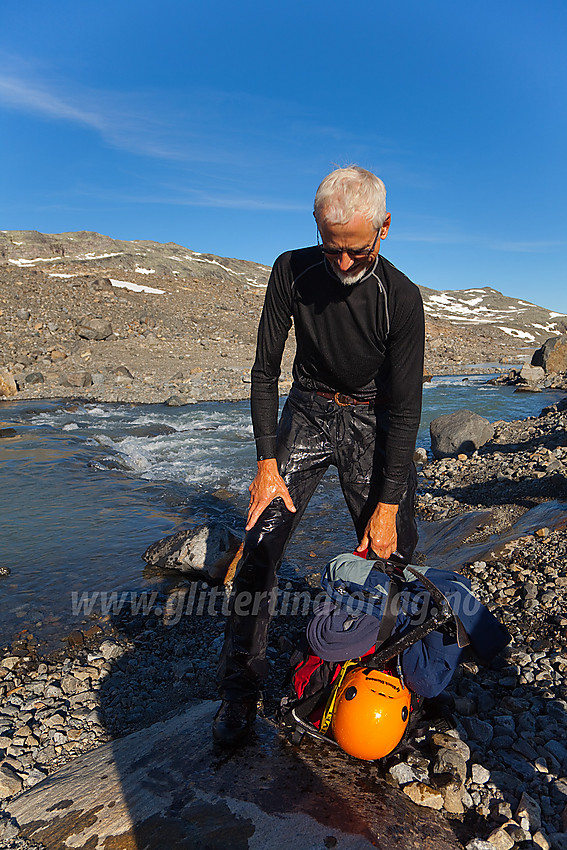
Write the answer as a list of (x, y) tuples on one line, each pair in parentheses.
[(370, 714)]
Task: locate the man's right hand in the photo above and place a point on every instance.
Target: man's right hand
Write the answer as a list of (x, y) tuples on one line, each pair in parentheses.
[(266, 487)]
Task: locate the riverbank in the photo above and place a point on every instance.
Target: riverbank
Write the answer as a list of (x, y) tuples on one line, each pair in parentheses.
[(123, 671)]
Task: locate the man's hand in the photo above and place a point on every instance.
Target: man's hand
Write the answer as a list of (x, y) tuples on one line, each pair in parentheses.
[(266, 487), (380, 533)]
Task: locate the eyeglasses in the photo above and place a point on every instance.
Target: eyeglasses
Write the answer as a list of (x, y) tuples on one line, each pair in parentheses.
[(353, 253)]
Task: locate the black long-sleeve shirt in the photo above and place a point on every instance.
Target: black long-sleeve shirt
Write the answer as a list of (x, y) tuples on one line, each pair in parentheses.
[(365, 340)]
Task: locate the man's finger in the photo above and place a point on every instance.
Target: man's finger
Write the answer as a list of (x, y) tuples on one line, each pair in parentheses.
[(288, 502)]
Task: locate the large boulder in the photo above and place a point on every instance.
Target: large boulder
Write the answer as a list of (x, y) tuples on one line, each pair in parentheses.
[(165, 788), (7, 384), (459, 433), (94, 328), (552, 356), (205, 551), (532, 374)]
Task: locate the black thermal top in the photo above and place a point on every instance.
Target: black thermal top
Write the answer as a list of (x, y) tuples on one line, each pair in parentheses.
[(364, 340)]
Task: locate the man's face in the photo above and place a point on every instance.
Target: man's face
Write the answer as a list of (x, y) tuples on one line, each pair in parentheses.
[(357, 236)]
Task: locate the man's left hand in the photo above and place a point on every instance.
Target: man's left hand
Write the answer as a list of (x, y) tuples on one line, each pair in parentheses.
[(380, 533)]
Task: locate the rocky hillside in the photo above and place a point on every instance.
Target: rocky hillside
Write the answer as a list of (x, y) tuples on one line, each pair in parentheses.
[(172, 321)]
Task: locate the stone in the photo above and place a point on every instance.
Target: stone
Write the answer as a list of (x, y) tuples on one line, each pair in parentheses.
[(461, 432), (479, 774), (111, 650), (206, 550), (500, 839), (479, 844), (24, 315), (424, 795), (532, 374), (93, 328), (450, 742), (8, 386), (540, 839), (449, 761), (7, 433), (10, 781), (402, 773), (175, 401), (34, 378), (558, 840), (420, 457), (552, 356), (77, 379), (478, 730), (529, 809), (168, 789)]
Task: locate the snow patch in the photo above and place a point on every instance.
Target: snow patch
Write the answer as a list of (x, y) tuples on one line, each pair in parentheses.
[(60, 274), (24, 263), (98, 256), (518, 334), (136, 287), (138, 270)]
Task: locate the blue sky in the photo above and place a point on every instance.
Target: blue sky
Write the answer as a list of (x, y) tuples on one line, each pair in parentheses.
[(211, 125)]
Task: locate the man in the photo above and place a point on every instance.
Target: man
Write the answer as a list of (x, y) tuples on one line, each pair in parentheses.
[(355, 403)]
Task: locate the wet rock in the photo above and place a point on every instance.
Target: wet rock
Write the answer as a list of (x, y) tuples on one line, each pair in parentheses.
[(6, 433), (459, 432), (93, 328), (206, 550)]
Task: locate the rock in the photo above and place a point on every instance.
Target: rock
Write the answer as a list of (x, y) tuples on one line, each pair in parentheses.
[(424, 795), (24, 315), (122, 372), (500, 839), (459, 432), (10, 782), (478, 730), (8, 386), (552, 356), (532, 374), (77, 379), (540, 839), (479, 844), (402, 773), (93, 328), (175, 401), (479, 774), (558, 840), (6, 433), (206, 549), (450, 742), (449, 761), (420, 457), (111, 650), (529, 811), (34, 378), (168, 789)]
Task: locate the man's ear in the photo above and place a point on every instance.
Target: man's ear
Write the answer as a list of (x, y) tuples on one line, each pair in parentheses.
[(386, 226)]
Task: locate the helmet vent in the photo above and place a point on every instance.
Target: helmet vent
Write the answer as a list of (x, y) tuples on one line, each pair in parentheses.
[(350, 692)]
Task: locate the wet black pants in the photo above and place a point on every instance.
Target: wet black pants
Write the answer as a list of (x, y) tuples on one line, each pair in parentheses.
[(313, 434)]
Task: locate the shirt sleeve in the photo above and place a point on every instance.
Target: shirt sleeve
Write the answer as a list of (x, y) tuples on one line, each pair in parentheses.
[(273, 331), (405, 353)]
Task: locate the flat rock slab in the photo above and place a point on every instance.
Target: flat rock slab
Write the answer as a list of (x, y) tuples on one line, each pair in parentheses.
[(440, 543), (166, 787)]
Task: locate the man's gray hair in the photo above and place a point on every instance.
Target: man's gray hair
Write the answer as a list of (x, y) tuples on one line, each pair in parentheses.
[(347, 191)]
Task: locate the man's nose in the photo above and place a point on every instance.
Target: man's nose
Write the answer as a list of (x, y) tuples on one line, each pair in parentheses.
[(344, 261)]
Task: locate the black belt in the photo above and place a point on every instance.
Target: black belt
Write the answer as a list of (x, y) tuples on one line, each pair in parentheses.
[(345, 400)]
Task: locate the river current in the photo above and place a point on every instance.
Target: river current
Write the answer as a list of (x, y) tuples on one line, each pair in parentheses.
[(86, 487)]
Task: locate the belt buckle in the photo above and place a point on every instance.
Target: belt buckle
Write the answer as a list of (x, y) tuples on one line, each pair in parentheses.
[(338, 401)]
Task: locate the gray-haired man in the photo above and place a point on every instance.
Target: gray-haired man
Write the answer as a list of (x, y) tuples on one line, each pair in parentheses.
[(355, 403)]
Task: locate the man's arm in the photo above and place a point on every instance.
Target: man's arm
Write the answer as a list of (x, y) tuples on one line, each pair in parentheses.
[(267, 486), (405, 357), (272, 334)]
